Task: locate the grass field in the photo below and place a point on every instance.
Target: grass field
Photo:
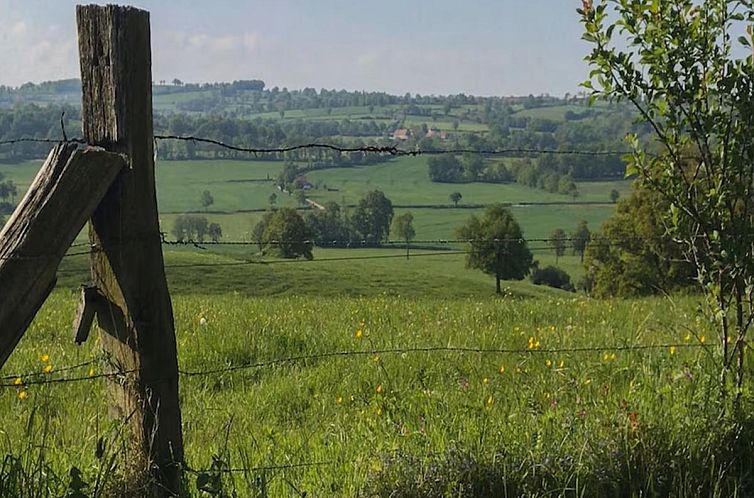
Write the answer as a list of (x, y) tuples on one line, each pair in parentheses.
[(240, 185), (406, 423), (411, 379)]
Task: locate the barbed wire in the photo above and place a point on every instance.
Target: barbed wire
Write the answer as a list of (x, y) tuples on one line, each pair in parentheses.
[(390, 150), (35, 378)]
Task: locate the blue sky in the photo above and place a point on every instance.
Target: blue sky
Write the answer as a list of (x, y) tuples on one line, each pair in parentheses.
[(481, 47)]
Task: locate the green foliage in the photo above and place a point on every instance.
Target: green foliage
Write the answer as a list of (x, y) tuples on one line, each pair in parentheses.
[(301, 197), (372, 217), (497, 246), (189, 227), (614, 195), (455, 198), (690, 80), (257, 233), (447, 168), (580, 238), (272, 199), (558, 241), (329, 226), (287, 236), (215, 232), (632, 255), (403, 227), (443, 425), (207, 199), (552, 277)]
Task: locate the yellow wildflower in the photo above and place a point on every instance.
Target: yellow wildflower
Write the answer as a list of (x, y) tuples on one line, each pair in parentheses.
[(19, 381), (687, 338), (339, 400), (672, 350), (44, 358), (91, 372), (379, 388), (561, 364), (485, 380), (358, 333), (47, 369), (548, 363), (22, 395), (490, 400), (701, 339), (502, 369)]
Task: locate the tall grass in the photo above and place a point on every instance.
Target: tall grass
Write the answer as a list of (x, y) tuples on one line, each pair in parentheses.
[(533, 423)]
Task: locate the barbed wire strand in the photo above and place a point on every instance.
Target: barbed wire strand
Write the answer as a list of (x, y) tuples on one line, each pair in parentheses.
[(373, 149), (34, 378)]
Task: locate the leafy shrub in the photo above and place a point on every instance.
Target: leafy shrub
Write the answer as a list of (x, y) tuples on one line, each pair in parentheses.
[(552, 277)]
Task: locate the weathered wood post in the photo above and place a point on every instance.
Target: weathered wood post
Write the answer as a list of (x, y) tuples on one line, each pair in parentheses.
[(139, 336), (56, 207)]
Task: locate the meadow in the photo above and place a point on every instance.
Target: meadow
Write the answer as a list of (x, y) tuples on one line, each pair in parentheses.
[(519, 397), (366, 373), (239, 186)]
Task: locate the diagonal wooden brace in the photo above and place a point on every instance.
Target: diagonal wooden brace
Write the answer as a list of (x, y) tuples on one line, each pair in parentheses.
[(63, 196)]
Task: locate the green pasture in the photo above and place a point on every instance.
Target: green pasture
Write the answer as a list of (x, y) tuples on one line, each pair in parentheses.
[(438, 271), (565, 411), (247, 185)]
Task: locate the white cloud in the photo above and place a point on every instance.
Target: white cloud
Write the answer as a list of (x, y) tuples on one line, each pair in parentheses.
[(35, 53), (203, 56)]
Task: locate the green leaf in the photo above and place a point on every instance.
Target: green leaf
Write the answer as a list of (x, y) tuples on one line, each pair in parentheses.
[(744, 41)]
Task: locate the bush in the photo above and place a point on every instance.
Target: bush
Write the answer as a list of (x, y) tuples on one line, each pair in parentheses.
[(552, 277)]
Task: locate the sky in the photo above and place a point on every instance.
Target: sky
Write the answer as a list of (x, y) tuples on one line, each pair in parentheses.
[(477, 47)]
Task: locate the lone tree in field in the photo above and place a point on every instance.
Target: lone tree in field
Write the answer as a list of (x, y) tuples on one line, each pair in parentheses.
[(287, 236), (557, 241), (403, 228), (273, 199), (687, 68), (580, 238), (455, 198), (207, 199), (497, 245), (614, 195)]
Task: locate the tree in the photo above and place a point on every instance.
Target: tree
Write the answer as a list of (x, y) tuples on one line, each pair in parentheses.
[(497, 245), (445, 168), (257, 233), (557, 241), (272, 199), (207, 199), (403, 227), (188, 227), (455, 198), (614, 195), (677, 64), (580, 238), (328, 226), (301, 197), (287, 236), (631, 256), (552, 277), (372, 217), (215, 232)]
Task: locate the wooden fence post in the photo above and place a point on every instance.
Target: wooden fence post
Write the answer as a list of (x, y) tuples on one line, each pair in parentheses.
[(116, 77)]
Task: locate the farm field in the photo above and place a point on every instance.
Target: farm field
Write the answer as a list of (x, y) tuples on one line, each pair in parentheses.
[(244, 185), (534, 414)]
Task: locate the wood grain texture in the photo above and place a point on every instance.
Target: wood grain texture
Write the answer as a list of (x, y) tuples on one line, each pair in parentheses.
[(114, 49), (59, 202)]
